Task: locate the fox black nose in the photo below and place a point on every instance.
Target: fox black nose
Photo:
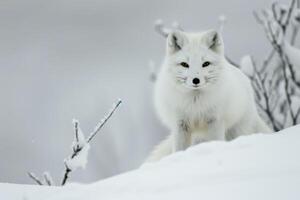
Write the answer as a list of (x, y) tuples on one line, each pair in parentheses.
[(196, 81)]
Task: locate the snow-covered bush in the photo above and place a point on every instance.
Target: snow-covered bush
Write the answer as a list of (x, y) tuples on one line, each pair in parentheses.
[(276, 80)]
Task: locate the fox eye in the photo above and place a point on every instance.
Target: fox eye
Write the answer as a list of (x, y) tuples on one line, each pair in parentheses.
[(184, 64), (205, 64)]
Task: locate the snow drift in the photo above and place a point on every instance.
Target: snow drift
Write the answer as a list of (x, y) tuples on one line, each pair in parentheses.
[(257, 167)]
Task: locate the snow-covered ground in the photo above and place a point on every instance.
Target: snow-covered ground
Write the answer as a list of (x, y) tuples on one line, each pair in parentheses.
[(250, 167)]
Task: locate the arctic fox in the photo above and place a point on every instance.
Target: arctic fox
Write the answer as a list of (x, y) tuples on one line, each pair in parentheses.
[(200, 96)]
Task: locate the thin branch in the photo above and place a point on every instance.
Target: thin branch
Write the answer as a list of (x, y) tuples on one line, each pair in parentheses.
[(66, 174), (35, 178), (277, 19), (77, 149), (286, 81), (258, 18), (48, 179), (267, 109), (104, 120), (76, 130), (232, 62), (289, 14), (275, 23)]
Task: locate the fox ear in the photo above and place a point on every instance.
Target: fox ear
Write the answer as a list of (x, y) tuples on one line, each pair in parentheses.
[(175, 41), (214, 41)]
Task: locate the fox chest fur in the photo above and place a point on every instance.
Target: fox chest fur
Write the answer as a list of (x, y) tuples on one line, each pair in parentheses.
[(196, 108)]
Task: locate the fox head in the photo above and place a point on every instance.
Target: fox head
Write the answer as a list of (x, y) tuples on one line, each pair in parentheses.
[(194, 60)]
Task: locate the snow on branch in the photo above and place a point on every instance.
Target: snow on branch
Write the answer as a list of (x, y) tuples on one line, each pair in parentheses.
[(81, 146), (80, 149), (275, 81)]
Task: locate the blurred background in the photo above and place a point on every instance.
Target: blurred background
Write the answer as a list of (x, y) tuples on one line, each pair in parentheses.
[(65, 59)]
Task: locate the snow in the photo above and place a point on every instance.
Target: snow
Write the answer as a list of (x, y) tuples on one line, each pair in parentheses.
[(80, 160), (247, 65), (260, 166), (293, 54), (80, 144)]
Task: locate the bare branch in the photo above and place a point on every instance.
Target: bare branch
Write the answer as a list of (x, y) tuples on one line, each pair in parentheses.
[(35, 178), (66, 174), (258, 18), (289, 14), (232, 62), (267, 61), (75, 122), (48, 179)]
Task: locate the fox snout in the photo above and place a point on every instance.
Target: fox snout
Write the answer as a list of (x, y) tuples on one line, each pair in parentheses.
[(196, 81)]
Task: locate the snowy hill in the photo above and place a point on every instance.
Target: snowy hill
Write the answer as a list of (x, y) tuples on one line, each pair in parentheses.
[(250, 167)]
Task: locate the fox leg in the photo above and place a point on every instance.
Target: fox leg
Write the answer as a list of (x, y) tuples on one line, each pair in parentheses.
[(216, 130), (182, 136)]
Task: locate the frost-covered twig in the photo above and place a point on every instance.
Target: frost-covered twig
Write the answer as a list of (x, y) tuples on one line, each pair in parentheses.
[(80, 149), (81, 145), (104, 120), (285, 63), (78, 144), (263, 88), (268, 80)]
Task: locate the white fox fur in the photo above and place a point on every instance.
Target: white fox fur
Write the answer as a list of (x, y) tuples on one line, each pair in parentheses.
[(218, 106)]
